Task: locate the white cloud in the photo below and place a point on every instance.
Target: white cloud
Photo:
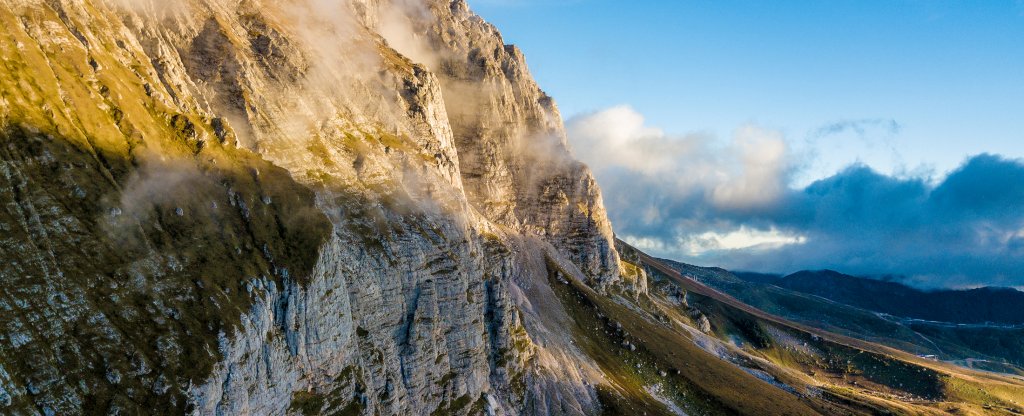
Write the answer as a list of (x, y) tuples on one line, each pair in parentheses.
[(735, 204), (397, 24), (617, 137), (750, 172), (739, 239), (764, 168), (716, 243)]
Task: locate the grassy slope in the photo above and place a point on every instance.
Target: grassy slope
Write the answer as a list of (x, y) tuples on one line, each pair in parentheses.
[(699, 381), (1002, 349), (833, 373), (142, 293)]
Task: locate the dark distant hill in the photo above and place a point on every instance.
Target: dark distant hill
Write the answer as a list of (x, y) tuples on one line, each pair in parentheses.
[(769, 278), (974, 306)]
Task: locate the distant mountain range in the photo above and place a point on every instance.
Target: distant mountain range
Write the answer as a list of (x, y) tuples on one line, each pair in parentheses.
[(973, 306), (992, 347)]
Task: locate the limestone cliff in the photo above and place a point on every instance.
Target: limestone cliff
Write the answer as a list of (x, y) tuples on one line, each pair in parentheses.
[(269, 207), (341, 207)]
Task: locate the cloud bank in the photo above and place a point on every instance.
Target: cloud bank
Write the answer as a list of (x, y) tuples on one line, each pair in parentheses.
[(733, 205)]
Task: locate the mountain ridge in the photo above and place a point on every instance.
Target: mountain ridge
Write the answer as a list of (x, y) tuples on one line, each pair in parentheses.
[(313, 216), (969, 306), (987, 347)]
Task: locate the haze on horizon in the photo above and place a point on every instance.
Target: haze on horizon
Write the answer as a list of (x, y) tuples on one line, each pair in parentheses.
[(874, 138)]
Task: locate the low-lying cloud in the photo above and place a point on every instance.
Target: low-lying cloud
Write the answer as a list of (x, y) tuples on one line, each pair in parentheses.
[(733, 205), (750, 171)]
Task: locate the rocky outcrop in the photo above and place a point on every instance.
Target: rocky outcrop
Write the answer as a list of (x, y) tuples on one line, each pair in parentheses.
[(514, 159), (242, 206)]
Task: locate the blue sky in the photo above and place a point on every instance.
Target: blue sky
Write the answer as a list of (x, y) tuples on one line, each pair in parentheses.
[(738, 133), (948, 73)]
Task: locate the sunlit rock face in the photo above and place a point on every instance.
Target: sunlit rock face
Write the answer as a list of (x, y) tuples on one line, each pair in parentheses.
[(269, 207), (510, 138)]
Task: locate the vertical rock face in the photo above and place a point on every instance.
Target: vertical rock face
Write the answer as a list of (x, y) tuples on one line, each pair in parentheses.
[(512, 146), (515, 159), (303, 206)]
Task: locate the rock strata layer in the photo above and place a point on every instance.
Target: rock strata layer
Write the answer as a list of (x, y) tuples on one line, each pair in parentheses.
[(270, 207)]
